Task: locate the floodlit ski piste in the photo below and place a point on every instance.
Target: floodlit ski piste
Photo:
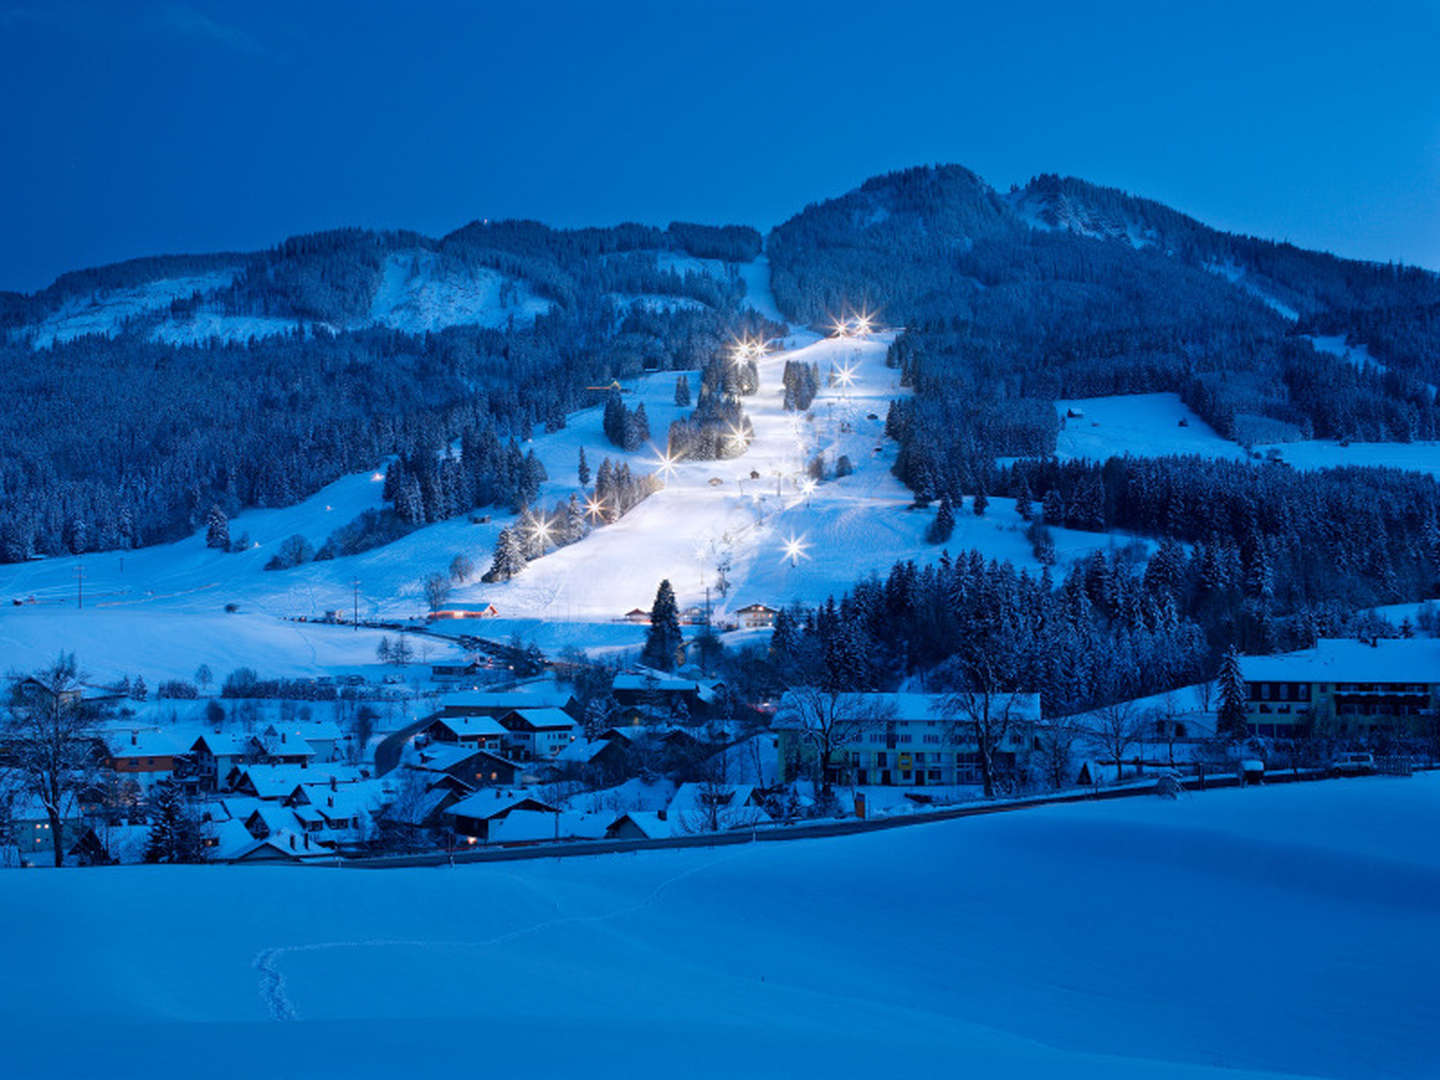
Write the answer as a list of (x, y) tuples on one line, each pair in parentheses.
[(782, 537)]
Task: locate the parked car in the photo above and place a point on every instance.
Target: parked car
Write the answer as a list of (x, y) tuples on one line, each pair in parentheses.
[(1353, 764)]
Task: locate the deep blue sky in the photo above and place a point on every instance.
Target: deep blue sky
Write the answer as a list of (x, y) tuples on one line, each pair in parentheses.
[(140, 128)]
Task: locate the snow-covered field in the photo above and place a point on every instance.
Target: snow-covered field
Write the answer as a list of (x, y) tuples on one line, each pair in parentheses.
[(1148, 425), (1142, 425), (1287, 930)]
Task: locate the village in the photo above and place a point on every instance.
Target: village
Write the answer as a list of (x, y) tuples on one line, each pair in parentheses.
[(495, 754)]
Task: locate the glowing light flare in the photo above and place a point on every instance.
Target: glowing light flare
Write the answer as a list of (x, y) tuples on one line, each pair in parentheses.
[(845, 376), (540, 530), (665, 464), (594, 507), (795, 550), (807, 486)]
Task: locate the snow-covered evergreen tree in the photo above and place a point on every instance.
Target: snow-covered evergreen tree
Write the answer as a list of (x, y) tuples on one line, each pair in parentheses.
[(662, 641), (943, 524), (1230, 722), (217, 529)]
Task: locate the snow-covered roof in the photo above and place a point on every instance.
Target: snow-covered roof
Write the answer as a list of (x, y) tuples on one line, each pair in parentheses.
[(649, 822), (274, 817), (653, 680), (490, 802), (151, 743), (472, 726), (224, 744), (348, 800), (125, 844), (534, 696), (582, 751), (534, 826), (691, 810), (312, 731), (797, 708), (440, 756), (278, 781), (546, 719), (1389, 660), (231, 837)]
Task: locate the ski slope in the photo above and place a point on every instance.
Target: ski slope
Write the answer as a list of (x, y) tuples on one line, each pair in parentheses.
[(160, 611), (1272, 931)]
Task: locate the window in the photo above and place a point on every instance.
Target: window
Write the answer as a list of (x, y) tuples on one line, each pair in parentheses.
[(880, 760), (933, 740), (935, 774)]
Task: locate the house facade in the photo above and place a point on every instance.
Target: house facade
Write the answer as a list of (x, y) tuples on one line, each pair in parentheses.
[(1344, 687), (537, 733), (757, 616), (902, 740)]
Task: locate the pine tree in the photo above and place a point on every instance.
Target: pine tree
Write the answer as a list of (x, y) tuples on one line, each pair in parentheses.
[(943, 525), (174, 829), (138, 690), (1230, 721), (509, 557), (583, 470), (1052, 508), (217, 529), (662, 641), (682, 392), (1022, 501), (980, 502)]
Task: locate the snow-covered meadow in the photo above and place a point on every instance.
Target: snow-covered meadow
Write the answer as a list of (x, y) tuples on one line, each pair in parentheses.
[(1287, 930)]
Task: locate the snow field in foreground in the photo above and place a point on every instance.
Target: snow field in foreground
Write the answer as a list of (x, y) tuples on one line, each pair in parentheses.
[(1281, 930)]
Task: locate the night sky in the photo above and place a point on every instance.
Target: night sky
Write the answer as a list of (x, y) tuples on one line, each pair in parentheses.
[(145, 128)]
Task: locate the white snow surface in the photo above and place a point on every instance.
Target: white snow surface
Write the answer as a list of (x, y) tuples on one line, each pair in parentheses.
[(105, 311), (417, 295), (1283, 930), (1148, 425)]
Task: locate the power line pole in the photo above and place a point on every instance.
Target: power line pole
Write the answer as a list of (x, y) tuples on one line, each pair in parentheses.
[(355, 613), (79, 585)]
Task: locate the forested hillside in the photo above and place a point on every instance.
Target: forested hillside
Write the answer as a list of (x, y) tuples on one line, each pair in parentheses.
[(148, 391), (125, 438)]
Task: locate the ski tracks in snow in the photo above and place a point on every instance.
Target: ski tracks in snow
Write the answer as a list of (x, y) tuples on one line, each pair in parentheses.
[(272, 985)]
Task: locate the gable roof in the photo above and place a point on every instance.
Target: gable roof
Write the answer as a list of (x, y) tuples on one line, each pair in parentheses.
[(543, 719), (649, 822), (1407, 660), (150, 744), (223, 744), (491, 803), (474, 727), (690, 810), (531, 696)]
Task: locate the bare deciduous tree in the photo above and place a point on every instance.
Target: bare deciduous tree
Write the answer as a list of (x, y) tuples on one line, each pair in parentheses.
[(828, 720), (1057, 737), (437, 590), (1115, 729), (49, 734), (979, 709)]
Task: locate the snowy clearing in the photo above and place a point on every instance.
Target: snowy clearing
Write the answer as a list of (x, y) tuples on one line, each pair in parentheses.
[(1285, 930)]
